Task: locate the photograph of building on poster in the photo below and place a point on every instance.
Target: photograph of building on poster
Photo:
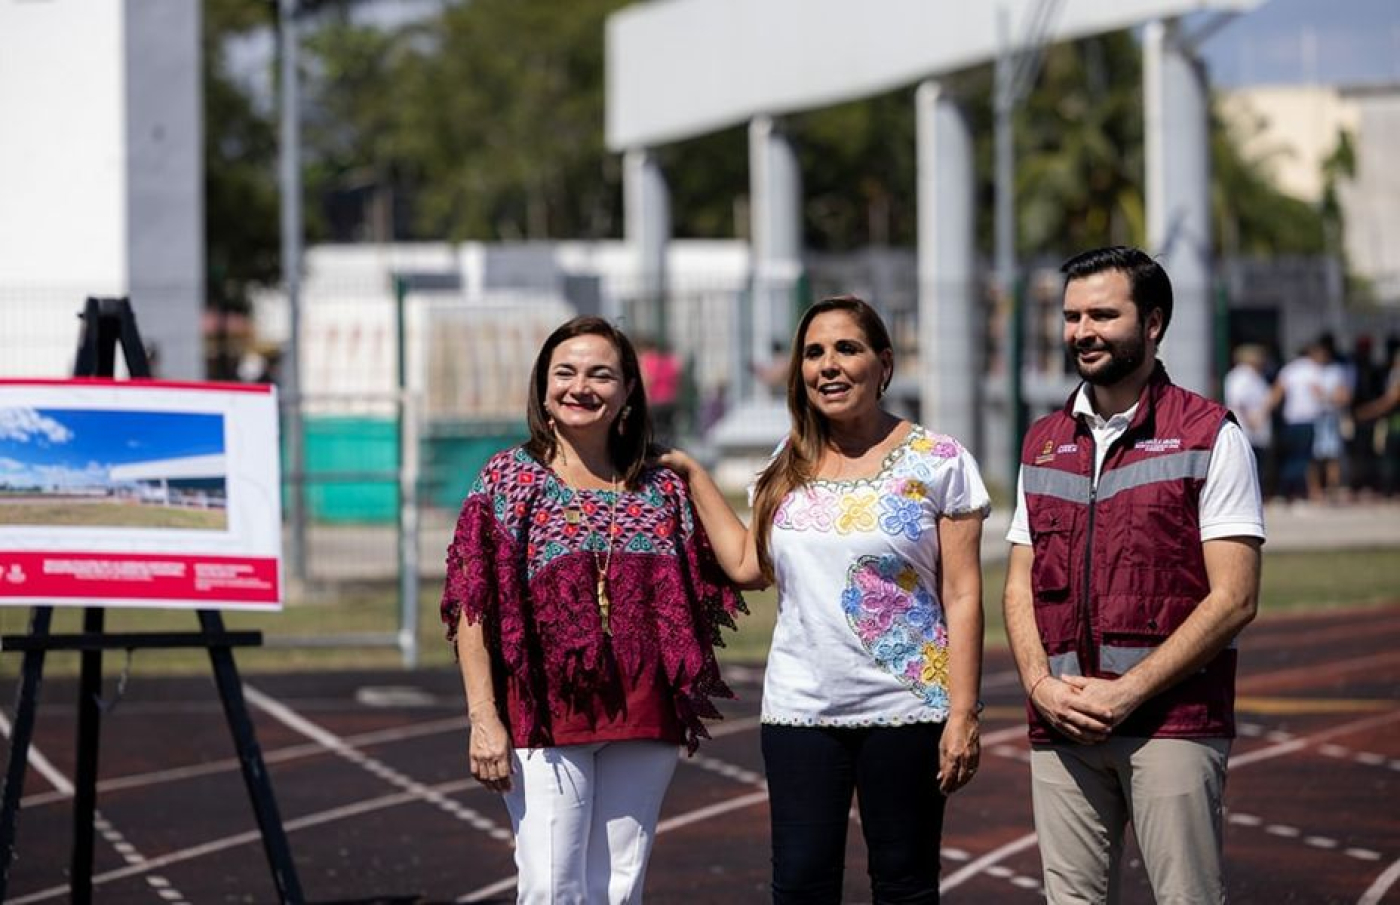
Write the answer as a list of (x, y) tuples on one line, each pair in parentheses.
[(113, 468)]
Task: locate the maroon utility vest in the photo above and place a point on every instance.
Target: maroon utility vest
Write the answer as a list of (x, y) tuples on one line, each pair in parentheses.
[(1119, 566)]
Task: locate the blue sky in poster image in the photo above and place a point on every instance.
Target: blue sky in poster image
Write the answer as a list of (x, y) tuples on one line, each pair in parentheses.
[(76, 447)]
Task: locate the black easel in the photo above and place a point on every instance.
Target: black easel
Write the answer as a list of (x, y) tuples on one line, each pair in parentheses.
[(107, 323)]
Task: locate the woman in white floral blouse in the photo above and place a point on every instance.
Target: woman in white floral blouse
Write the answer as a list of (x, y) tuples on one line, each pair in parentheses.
[(870, 526)]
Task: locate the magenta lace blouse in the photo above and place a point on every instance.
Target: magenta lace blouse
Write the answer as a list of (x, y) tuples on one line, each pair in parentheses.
[(524, 563)]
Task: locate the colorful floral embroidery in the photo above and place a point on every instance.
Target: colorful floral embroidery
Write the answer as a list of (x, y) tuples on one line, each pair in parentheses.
[(901, 515), (894, 501), (805, 510), (899, 624), (857, 512)]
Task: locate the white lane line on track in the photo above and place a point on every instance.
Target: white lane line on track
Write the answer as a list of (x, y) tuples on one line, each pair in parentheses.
[(1293, 744), (1387, 878), (1381, 885), (41, 763), (986, 862), (64, 789), (732, 727), (726, 769), (215, 846), (336, 745), (1312, 740), (705, 813), (1369, 758), (277, 756)]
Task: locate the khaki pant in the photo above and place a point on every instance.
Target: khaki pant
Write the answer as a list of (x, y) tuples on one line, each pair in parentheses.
[(1172, 790)]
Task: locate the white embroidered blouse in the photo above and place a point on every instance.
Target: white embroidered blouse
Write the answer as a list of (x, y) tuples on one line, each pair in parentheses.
[(861, 638)]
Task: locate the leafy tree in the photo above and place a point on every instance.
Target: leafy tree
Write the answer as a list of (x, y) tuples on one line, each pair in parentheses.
[(240, 167), (1080, 160), (356, 126), (708, 178), (1250, 216), (489, 117), (859, 172), (502, 116)]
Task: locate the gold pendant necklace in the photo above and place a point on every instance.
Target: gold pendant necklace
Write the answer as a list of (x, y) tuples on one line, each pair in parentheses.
[(601, 570)]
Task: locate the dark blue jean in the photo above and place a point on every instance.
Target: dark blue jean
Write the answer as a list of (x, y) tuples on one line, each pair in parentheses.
[(893, 770), (1296, 447)]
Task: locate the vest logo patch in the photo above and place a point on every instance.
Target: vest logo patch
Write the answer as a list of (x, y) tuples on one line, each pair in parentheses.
[(1159, 444), (1067, 448), (1047, 453)]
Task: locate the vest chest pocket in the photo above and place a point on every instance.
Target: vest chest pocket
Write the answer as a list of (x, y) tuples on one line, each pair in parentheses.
[(1050, 568), (1162, 538)]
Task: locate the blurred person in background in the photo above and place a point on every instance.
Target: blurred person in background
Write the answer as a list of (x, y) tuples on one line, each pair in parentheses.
[(661, 376), (1300, 388), (1386, 411), (1247, 394), (870, 526), (1134, 565), (1329, 436), (1365, 437), (772, 375), (583, 605)]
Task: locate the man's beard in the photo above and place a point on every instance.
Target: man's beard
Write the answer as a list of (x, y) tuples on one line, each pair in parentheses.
[(1124, 358)]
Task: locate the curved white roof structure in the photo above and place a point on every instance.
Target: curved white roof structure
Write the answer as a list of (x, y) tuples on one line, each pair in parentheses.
[(681, 68), (183, 468)]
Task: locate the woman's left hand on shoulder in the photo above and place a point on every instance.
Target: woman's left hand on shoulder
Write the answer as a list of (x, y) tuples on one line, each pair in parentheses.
[(677, 460), (959, 752)]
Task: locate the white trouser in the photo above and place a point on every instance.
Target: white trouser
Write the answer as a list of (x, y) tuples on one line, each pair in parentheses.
[(585, 818)]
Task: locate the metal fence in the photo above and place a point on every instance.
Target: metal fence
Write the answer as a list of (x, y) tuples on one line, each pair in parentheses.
[(410, 380)]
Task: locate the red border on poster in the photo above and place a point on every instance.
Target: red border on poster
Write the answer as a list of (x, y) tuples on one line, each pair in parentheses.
[(47, 576)]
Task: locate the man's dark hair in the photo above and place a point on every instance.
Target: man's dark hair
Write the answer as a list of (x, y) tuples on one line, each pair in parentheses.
[(1148, 283)]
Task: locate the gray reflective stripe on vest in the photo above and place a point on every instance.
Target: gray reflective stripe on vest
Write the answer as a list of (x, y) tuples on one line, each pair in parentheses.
[(1173, 467), (1119, 660), (1065, 665), (1062, 485), (1112, 658), (1116, 659)]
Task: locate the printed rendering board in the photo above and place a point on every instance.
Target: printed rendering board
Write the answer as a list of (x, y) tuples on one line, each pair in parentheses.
[(139, 493)]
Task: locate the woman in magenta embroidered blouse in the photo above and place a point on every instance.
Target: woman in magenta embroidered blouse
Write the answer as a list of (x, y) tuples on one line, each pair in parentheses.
[(584, 604)]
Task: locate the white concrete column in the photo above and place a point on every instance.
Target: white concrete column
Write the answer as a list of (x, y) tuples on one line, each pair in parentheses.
[(775, 181), (101, 177), (647, 225), (950, 369), (1177, 107)]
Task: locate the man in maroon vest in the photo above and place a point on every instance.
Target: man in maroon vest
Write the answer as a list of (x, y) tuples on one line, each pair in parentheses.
[(1134, 564)]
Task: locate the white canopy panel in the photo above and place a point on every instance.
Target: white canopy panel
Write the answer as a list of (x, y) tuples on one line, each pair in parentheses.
[(681, 68)]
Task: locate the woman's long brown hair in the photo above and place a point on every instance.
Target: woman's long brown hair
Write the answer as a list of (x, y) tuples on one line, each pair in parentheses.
[(629, 447), (794, 465)]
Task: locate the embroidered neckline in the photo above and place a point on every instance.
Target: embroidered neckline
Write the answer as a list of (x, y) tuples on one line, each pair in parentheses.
[(566, 493), (886, 464)]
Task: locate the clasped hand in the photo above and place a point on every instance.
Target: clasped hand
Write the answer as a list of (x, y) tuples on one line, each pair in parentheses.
[(1085, 709)]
